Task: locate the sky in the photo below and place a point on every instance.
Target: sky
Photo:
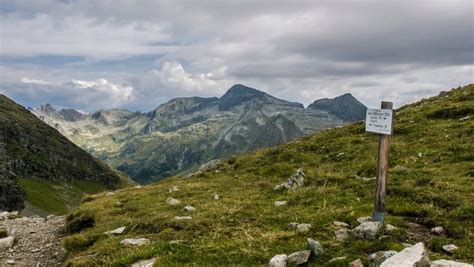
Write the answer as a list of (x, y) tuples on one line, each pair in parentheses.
[(92, 55)]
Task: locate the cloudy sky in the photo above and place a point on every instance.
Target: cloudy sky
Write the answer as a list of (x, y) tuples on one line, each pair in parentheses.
[(138, 54)]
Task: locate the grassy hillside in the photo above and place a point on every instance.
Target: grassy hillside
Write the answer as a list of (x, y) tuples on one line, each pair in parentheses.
[(430, 183), (39, 161)]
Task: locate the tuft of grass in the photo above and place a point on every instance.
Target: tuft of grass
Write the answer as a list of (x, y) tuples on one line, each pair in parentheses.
[(78, 221)]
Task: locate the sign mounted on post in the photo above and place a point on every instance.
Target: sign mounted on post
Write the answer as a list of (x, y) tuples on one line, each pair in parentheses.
[(379, 121)]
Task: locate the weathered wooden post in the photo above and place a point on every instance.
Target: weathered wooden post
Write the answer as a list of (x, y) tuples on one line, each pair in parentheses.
[(380, 121)]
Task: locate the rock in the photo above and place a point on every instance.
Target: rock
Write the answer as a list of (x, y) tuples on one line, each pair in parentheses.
[(342, 234), (295, 181), (390, 227), (138, 187), (189, 208), (172, 201), (464, 118), (356, 263), (173, 188), (10, 262), (108, 194), (13, 215), (340, 224), (446, 263), (278, 261), (443, 93), (7, 242), (117, 231), (145, 263), (303, 227), (280, 203), (51, 217), (300, 257), (377, 258), (415, 256), (183, 218), (216, 197), (437, 230), (450, 248), (315, 247), (337, 259), (420, 155), (364, 219), (211, 165), (135, 242), (293, 225), (368, 230)]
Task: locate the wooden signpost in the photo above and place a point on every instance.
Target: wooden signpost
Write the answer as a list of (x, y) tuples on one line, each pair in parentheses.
[(380, 121)]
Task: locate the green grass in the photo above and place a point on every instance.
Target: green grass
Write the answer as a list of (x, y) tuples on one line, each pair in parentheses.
[(245, 228), (57, 197)]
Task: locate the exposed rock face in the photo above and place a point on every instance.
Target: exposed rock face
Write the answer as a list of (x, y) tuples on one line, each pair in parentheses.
[(345, 107), (31, 148), (278, 261), (180, 135), (368, 230), (415, 256)]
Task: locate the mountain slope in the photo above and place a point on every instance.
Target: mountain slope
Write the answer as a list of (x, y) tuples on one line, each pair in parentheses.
[(430, 183), (37, 159), (184, 133), (345, 107)]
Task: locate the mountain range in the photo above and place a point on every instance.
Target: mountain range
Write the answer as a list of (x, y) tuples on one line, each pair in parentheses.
[(42, 169), (184, 133)]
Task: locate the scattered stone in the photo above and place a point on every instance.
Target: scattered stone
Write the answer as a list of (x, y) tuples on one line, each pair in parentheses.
[(377, 258), (464, 118), (35, 250), (450, 248), (13, 215), (293, 225), (138, 187), (342, 234), (337, 259), (51, 217), (437, 230), (280, 203), (135, 242), (295, 181), (415, 256), (368, 230), (315, 247), (145, 263), (446, 263), (340, 224), (278, 261), (420, 155), (390, 227), (216, 197), (7, 242), (172, 201), (183, 218), (300, 257), (303, 227), (117, 231), (11, 262), (189, 208), (364, 219), (211, 165), (108, 194), (173, 188), (356, 263)]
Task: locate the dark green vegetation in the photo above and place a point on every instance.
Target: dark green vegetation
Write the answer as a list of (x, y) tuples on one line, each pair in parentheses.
[(430, 183), (38, 160), (180, 135)]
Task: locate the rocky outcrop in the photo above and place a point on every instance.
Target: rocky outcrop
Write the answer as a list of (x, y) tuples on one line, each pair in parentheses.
[(295, 181)]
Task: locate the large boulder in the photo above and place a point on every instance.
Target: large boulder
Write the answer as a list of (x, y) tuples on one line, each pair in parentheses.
[(368, 230), (415, 256), (315, 248)]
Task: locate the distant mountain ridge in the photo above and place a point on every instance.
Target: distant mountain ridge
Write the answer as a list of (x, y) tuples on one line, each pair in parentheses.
[(345, 107), (35, 157), (184, 133)]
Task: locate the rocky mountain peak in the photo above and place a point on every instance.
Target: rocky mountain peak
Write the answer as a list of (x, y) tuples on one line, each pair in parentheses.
[(47, 109), (345, 106)]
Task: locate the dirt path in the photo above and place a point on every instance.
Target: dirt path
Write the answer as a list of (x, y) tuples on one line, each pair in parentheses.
[(37, 242)]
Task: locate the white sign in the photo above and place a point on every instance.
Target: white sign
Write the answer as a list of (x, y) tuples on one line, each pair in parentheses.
[(379, 121)]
